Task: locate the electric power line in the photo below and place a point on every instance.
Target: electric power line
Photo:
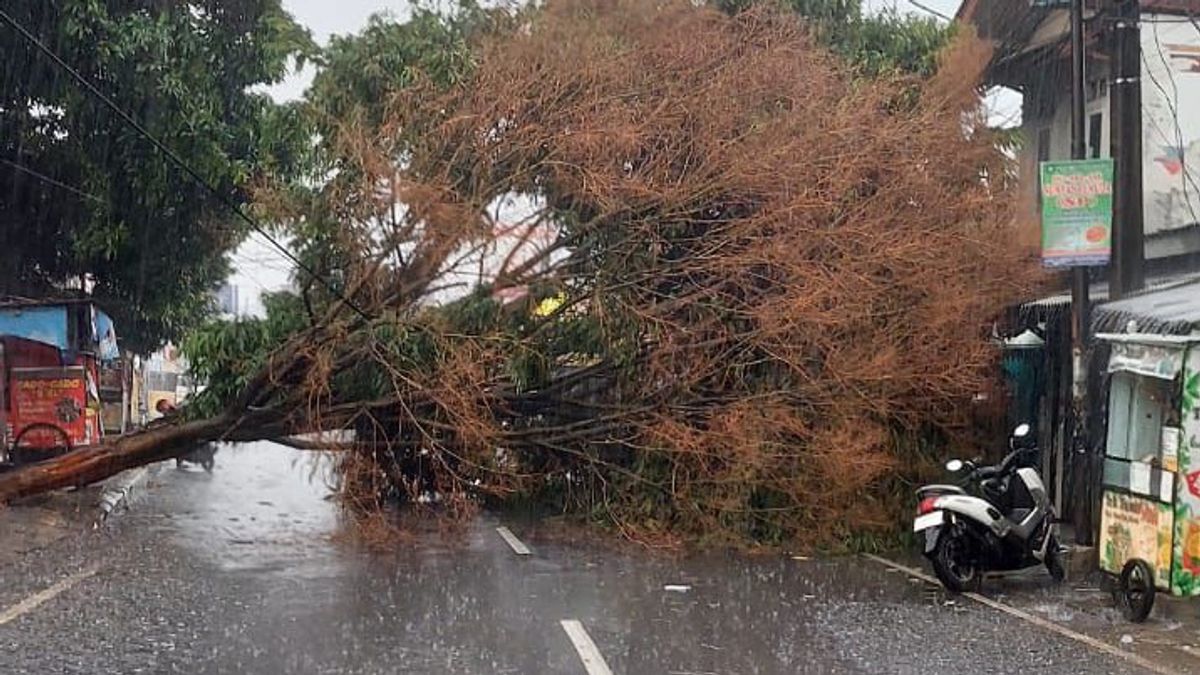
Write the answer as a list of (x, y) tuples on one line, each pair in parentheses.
[(170, 154), (51, 181), (269, 263), (927, 8)]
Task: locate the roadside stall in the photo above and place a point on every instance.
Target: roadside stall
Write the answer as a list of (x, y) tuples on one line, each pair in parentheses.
[(51, 356), (1150, 511), (166, 381)]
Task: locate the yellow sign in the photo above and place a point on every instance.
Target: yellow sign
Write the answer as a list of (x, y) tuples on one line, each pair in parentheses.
[(550, 305), (1134, 527)]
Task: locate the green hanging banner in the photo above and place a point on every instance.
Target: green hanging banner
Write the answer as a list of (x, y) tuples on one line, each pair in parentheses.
[(1076, 212)]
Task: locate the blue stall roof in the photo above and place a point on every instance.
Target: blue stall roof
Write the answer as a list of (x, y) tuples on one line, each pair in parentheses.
[(50, 322)]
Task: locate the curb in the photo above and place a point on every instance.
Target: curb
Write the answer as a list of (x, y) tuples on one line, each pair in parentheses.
[(117, 493), (1081, 562)]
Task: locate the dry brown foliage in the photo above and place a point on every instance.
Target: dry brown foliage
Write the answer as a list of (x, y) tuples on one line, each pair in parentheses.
[(807, 262)]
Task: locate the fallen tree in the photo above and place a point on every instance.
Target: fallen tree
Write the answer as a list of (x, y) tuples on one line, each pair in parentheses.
[(740, 287)]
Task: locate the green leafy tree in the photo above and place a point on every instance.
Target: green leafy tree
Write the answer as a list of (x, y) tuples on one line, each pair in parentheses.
[(882, 44), (359, 72), (152, 241), (225, 354), (349, 99)]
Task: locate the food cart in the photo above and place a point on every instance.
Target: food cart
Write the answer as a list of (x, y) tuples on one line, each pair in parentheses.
[(1150, 509), (51, 355)]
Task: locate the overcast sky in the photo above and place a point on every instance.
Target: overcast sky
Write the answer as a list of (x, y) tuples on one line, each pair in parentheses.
[(258, 266)]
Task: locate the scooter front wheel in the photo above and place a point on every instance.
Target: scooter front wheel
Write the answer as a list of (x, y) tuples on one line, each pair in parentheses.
[(1054, 560), (953, 562)]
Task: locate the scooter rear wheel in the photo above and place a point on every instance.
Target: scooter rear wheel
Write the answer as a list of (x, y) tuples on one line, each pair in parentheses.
[(952, 563)]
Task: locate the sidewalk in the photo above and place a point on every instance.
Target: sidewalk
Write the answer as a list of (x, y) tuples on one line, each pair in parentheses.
[(37, 522), (1171, 636)]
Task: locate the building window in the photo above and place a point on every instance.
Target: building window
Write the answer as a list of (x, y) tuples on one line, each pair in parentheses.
[(1095, 126)]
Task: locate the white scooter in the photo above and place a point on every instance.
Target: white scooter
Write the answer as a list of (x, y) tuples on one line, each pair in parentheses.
[(1007, 524)]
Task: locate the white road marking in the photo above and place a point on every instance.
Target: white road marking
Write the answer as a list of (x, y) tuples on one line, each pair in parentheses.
[(593, 662), (37, 599), (513, 543), (1036, 620)]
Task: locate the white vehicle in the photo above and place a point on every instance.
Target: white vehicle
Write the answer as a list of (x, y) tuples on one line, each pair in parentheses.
[(1005, 523)]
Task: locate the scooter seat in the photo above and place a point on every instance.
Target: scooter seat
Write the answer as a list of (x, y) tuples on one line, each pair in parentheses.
[(931, 490)]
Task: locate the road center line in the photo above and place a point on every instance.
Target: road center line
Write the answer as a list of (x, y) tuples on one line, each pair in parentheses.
[(593, 661), (37, 599), (1035, 620), (512, 541)]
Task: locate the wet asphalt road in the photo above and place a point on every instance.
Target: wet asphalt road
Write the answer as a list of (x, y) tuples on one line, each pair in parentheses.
[(240, 571)]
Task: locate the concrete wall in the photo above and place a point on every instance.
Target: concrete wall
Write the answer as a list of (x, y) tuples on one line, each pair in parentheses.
[(1171, 133), (1170, 122)]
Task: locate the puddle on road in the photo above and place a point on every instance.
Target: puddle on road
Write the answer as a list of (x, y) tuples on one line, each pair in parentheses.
[(264, 506)]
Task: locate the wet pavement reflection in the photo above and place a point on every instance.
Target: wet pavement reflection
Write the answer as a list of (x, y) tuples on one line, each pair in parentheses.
[(262, 507)]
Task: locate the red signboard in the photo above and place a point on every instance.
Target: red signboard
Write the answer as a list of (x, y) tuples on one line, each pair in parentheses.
[(50, 396)]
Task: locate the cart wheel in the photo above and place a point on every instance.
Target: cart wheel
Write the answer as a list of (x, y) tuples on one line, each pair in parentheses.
[(22, 454), (1134, 593)]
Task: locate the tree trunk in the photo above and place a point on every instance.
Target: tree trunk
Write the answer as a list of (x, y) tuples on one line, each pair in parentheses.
[(92, 463)]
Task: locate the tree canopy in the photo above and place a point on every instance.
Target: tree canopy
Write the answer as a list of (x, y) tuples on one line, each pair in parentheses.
[(752, 279), (753, 304), (885, 43), (81, 194), (360, 75)]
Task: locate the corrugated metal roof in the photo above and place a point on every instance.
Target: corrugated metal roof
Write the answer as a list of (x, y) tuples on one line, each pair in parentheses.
[(1174, 309), (1098, 291)]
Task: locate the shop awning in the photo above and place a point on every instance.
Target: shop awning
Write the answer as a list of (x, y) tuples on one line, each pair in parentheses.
[(1151, 355)]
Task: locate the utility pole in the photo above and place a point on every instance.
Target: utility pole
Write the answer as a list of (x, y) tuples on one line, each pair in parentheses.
[(1080, 303), (1125, 145)]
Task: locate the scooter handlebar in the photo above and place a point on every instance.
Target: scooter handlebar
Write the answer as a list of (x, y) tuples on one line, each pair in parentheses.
[(1006, 466)]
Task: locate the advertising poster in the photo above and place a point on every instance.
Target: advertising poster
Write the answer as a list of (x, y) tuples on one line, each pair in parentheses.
[(1076, 212), (1136, 527), (49, 396)]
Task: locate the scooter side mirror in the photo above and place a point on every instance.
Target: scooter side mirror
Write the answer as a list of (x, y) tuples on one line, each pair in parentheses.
[(954, 465), (1022, 439)]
